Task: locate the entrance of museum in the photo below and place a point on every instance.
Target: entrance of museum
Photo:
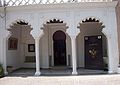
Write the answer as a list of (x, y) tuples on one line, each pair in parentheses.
[(93, 52), (92, 46), (59, 46)]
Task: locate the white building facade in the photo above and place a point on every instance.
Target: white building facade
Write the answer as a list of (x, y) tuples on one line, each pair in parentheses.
[(59, 33)]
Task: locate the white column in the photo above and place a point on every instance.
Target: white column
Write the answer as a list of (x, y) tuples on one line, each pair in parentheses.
[(4, 56), (0, 3), (110, 57), (74, 55), (113, 55), (5, 42), (73, 34), (37, 34), (37, 73)]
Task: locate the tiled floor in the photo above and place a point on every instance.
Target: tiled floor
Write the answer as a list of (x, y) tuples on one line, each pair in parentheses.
[(55, 72), (58, 76)]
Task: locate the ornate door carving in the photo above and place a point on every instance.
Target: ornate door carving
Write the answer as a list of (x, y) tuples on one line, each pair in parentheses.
[(93, 52)]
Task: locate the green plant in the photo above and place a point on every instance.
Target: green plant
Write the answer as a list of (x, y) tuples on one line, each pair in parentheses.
[(1, 71)]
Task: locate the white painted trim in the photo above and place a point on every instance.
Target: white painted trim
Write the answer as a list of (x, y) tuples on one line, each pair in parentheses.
[(69, 6)]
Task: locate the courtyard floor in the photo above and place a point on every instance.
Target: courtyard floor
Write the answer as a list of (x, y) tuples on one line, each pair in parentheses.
[(60, 77), (55, 71)]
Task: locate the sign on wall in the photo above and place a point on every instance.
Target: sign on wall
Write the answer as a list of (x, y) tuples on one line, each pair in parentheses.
[(12, 43)]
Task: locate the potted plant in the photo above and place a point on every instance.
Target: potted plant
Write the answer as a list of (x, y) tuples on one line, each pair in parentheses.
[(1, 71)]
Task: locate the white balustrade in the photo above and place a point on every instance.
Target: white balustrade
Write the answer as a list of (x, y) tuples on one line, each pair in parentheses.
[(28, 2)]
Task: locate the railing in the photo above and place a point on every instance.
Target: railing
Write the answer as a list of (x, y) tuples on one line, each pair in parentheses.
[(29, 2)]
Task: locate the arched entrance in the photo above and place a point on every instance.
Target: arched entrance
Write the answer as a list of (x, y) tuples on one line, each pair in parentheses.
[(92, 45), (20, 47), (93, 52), (59, 48)]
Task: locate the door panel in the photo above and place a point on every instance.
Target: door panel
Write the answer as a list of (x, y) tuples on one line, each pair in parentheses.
[(59, 44), (59, 52), (93, 52)]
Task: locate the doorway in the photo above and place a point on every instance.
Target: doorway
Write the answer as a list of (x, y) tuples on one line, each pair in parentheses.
[(59, 48), (93, 52)]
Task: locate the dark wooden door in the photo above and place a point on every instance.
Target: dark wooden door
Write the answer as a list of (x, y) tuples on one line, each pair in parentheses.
[(59, 44), (93, 52)]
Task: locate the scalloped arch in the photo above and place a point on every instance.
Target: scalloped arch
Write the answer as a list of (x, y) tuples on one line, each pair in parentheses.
[(52, 19), (19, 20), (95, 19)]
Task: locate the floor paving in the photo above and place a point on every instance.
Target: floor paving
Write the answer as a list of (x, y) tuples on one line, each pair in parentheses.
[(58, 76), (113, 79), (56, 72)]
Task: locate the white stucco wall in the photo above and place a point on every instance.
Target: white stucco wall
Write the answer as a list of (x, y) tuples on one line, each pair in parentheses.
[(13, 56), (26, 39)]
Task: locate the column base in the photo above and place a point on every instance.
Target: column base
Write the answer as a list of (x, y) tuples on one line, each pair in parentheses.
[(75, 73), (110, 72), (114, 71), (6, 73), (37, 73), (118, 69)]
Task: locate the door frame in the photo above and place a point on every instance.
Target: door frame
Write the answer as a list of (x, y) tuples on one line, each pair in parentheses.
[(53, 60)]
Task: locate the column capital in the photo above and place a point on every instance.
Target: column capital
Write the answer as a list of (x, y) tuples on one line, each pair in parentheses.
[(37, 38), (73, 32), (37, 34), (6, 33), (73, 37), (107, 33)]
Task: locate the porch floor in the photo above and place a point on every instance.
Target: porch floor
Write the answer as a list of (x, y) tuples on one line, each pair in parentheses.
[(55, 72)]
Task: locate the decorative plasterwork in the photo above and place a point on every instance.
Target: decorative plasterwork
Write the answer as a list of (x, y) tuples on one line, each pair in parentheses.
[(22, 23), (19, 22), (92, 19), (54, 21)]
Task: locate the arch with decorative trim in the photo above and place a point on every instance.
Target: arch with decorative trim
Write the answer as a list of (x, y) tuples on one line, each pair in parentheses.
[(55, 24), (19, 21), (21, 24), (92, 19), (88, 21), (59, 48), (54, 20)]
